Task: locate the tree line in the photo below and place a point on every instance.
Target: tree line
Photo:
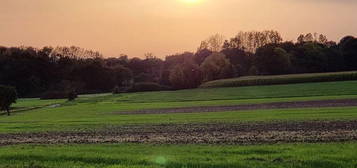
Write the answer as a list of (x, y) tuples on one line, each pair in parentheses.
[(36, 71)]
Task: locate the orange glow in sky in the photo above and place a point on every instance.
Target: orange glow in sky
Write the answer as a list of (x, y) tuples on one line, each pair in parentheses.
[(163, 27), (191, 1)]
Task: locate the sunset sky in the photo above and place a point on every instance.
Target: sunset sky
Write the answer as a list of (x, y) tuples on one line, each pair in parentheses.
[(164, 27)]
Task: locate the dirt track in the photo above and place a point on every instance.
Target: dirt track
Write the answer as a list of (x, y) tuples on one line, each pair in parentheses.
[(248, 133), (280, 105)]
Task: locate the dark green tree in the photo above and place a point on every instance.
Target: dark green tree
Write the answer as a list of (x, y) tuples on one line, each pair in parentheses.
[(186, 75), (310, 57), (274, 60), (8, 96), (72, 95), (348, 48), (216, 66)]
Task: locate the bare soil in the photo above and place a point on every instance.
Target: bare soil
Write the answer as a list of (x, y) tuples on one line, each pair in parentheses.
[(279, 105), (244, 133)]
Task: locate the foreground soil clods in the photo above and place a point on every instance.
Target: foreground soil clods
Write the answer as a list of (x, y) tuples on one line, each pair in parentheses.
[(245, 133)]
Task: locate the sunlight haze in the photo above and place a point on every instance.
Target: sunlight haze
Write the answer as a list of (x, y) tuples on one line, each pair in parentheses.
[(164, 27)]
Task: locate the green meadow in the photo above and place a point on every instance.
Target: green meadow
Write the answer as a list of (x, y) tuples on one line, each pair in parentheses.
[(97, 111), (333, 155), (100, 111)]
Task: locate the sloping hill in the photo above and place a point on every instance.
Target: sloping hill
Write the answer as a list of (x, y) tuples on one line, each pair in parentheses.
[(282, 79)]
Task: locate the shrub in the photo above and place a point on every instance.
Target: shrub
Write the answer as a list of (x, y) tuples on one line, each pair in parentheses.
[(282, 79), (72, 95), (253, 71), (147, 86), (116, 90), (8, 95), (54, 95)]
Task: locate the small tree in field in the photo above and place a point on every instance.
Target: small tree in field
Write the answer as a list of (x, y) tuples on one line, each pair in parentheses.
[(72, 95), (8, 95), (116, 90)]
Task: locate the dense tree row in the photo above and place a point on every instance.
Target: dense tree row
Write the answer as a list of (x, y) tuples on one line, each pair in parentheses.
[(36, 71)]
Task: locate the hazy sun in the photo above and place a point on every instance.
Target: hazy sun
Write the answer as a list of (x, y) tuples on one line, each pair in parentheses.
[(191, 1)]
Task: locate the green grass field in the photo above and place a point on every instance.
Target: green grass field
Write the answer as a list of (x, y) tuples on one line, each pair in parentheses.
[(333, 155), (97, 111)]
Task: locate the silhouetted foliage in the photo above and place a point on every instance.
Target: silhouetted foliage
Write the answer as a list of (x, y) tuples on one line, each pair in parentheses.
[(253, 71), (171, 62), (241, 61), (214, 43), (54, 95), (116, 90), (250, 41), (271, 59), (36, 71), (186, 75), (39, 72), (216, 66), (122, 76), (315, 37), (72, 95), (201, 55), (69, 95), (348, 49), (8, 96), (147, 86)]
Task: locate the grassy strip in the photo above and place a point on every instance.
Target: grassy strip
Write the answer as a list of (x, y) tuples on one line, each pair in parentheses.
[(282, 79), (331, 155), (96, 111), (239, 93), (40, 123), (23, 104), (216, 96)]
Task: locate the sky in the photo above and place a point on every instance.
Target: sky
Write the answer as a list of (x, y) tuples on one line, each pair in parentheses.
[(164, 27)]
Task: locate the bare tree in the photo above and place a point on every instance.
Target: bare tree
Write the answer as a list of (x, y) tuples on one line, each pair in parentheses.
[(313, 37), (250, 41), (149, 55), (213, 43), (74, 52)]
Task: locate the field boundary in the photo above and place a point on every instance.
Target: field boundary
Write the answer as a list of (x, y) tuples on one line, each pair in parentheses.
[(243, 133), (282, 79), (246, 107)]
